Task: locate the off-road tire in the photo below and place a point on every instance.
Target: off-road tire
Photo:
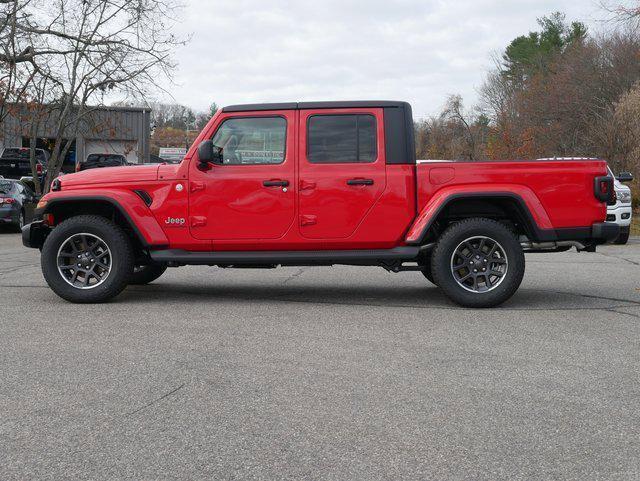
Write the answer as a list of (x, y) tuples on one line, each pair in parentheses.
[(121, 258), (452, 237), (146, 274)]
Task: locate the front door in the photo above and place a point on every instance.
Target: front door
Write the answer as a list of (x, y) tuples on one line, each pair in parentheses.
[(341, 172), (249, 196)]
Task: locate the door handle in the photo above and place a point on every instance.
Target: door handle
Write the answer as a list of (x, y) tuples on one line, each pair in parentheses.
[(196, 186), (360, 182), (276, 183), (197, 221), (306, 185), (308, 220)]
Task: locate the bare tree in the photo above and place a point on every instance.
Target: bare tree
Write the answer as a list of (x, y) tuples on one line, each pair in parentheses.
[(454, 134), (16, 60), (622, 13), (87, 50), (627, 130)]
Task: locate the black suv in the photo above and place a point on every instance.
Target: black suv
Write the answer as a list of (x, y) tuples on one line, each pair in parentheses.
[(95, 161)]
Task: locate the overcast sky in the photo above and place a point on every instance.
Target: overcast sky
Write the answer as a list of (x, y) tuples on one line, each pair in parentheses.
[(244, 51)]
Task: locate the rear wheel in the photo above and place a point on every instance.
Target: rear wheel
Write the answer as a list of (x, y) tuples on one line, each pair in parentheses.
[(87, 259), (478, 263), (146, 274)]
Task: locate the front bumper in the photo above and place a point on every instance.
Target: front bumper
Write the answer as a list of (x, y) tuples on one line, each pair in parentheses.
[(605, 231), (620, 214), (34, 234)]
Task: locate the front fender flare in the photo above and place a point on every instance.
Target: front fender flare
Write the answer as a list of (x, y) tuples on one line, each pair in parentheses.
[(127, 203)]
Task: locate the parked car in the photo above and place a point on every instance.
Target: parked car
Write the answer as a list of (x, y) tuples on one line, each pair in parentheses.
[(620, 211), (15, 162), (172, 155), (17, 203), (95, 161), (319, 183)]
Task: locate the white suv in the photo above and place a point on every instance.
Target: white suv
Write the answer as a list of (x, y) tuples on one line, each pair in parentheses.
[(621, 211)]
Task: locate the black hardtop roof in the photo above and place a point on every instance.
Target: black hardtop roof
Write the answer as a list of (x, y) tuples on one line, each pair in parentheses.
[(316, 105)]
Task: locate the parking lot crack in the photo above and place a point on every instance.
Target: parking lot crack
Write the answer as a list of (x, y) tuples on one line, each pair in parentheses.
[(591, 296), (621, 258), (294, 275), (625, 313), (10, 270), (155, 401)]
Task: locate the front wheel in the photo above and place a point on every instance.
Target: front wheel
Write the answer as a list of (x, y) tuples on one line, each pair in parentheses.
[(87, 259), (478, 263)]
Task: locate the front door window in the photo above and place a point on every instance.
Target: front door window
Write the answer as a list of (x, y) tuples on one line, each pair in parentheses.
[(251, 141)]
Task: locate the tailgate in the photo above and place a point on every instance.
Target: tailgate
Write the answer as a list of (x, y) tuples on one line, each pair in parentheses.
[(14, 168)]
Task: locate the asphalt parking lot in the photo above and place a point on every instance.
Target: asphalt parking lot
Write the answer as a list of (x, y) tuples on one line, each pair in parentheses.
[(323, 373)]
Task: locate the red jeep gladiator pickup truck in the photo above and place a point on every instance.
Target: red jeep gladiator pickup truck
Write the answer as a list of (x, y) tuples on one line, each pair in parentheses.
[(317, 184)]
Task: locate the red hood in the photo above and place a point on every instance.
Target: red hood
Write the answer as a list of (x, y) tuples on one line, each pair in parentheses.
[(109, 175)]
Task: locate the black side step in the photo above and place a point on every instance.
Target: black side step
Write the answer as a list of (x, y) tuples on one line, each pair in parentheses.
[(286, 258)]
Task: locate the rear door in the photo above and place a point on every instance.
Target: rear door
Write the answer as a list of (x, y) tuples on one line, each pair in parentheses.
[(341, 170)]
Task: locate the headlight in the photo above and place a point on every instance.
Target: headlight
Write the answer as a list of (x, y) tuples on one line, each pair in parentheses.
[(624, 196)]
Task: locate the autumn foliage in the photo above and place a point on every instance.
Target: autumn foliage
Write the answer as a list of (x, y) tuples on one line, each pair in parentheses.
[(556, 92)]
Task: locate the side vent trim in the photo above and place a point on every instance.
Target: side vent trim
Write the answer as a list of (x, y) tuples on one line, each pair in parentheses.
[(144, 195)]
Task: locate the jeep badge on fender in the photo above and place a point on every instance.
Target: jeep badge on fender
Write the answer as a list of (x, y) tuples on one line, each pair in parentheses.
[(318, 183), (175, 221)]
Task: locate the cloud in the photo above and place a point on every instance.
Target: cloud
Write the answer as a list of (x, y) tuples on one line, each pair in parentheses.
[(246, 51)]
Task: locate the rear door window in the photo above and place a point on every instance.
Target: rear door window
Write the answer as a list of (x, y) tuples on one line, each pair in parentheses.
[(335, 139)]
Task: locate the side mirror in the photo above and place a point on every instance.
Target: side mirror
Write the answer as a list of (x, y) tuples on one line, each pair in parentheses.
[(624, 177), (209, 154)]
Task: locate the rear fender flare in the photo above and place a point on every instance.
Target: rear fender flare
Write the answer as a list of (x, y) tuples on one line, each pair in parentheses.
[(530, 206)]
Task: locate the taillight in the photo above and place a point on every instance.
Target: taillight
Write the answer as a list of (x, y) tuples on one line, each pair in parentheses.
[(603, 189), (7, 200), (38, 169)]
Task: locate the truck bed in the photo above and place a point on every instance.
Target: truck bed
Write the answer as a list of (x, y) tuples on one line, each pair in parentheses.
[(558, 193)]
